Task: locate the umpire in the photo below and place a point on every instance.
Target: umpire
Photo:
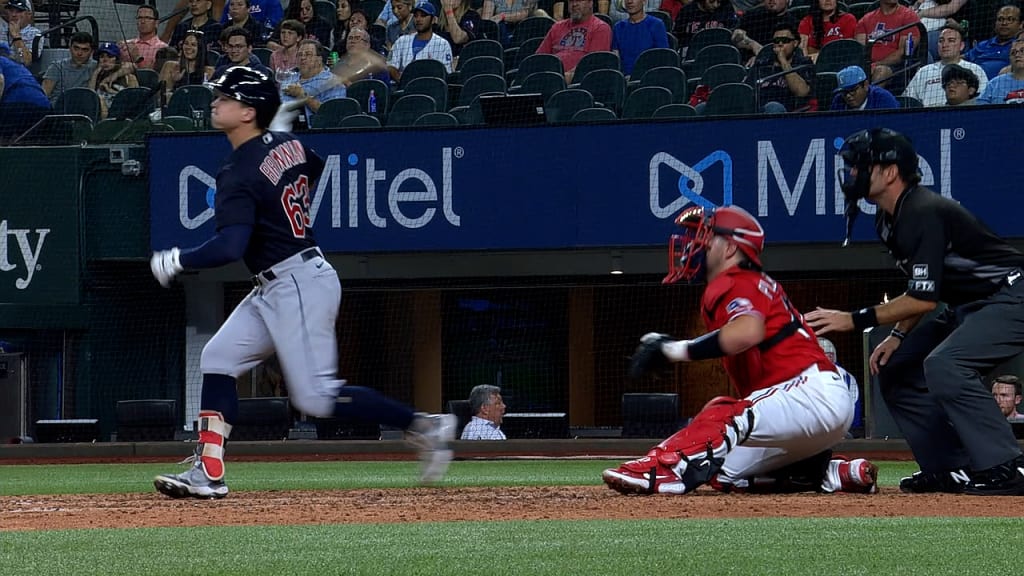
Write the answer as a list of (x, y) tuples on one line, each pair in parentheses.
[(930, 371)]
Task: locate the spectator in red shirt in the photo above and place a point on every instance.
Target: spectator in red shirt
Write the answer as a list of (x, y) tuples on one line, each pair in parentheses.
[(888, 53), (571, 39), (824, 23)]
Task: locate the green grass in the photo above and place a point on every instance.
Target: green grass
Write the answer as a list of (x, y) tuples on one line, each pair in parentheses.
[(117, 478), (876, 546), (744, 547)]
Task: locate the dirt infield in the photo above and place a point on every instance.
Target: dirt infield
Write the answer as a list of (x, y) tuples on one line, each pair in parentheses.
[(451, 504)]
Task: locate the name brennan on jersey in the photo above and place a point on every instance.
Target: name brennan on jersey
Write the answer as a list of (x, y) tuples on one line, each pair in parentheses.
[(282, 157)]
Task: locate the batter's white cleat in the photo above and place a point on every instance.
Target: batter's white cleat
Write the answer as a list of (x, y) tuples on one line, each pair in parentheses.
[(643, 476), (193, 483), (431, 433)]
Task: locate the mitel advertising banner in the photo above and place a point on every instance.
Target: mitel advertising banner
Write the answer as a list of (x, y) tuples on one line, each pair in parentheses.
[(560, 187)]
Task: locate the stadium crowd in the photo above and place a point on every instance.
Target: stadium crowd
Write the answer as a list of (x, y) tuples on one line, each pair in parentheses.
[(599, 60)]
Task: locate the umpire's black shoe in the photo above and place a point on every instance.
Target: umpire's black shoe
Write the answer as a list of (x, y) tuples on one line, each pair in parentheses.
[(1006, 479), (950, 481)]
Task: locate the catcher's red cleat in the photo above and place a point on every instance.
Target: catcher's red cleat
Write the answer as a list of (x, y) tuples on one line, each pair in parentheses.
[(643, 476), (857, 476)]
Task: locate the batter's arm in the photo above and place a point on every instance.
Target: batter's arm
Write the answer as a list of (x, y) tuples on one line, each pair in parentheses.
[(227, 246)]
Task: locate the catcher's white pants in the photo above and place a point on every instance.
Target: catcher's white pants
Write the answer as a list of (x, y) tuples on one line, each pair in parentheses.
[(793, 420)]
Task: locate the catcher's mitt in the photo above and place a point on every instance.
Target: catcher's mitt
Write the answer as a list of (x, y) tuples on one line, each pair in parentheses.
[(648, 356)]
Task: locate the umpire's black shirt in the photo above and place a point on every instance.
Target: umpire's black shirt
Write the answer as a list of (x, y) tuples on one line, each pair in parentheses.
[(949, 255)]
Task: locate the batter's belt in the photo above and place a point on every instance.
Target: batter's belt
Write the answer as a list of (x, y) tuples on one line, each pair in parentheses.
[(269, 275)]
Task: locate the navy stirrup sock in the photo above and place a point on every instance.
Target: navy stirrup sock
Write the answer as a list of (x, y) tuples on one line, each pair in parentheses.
[(359, 403), (221, 394)]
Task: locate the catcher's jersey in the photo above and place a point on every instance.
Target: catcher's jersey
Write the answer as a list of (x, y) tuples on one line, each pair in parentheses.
[(737, 292), (268, 184)]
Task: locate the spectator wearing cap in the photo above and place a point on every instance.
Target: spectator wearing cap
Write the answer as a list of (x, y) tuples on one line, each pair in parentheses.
[(72, 72), (1008, 88), (637, 32), (927, 85), (22, 100), (17, 30), (423, 45), (142, 49), (576, 36), (960, 85), (856, 93), (111, 75)]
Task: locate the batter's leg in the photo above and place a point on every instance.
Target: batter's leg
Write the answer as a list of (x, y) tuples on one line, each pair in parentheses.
[(301, 311), (240, 344)]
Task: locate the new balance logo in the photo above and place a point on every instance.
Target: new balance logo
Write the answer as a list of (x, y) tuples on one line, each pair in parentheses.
[(1012, 278)]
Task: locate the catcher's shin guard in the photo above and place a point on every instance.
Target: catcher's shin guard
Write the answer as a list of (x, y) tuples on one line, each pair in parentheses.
[(213, 431), (690, 457)]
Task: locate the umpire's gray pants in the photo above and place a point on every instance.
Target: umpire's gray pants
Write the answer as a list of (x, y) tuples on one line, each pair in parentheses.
[(935, 389)]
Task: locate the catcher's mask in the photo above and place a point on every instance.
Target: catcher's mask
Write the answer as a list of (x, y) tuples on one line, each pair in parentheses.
[(687, 251), (863, 150)]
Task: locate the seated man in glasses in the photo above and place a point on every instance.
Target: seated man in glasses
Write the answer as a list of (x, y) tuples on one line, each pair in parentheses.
[(855, 92), (783, 77)]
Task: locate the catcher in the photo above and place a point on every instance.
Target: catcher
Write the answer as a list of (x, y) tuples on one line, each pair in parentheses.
[(792, 407)]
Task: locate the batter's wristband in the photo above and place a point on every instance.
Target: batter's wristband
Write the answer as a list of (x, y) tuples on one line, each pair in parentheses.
[(864, 318), (706, 347), (897, 334)]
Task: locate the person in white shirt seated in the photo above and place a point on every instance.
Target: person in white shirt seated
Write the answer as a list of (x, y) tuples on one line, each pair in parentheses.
[(488, 409)]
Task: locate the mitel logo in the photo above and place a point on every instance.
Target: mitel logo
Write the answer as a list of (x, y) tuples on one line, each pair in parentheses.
[(780, 173), (690, 182), (408, 197), (411, 197), (29, 253)]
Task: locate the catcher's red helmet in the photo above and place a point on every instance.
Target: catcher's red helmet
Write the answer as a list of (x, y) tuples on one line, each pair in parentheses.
[(687, 250)]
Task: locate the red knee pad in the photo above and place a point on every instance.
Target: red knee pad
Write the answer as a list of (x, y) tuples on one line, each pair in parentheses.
[(708, 430)]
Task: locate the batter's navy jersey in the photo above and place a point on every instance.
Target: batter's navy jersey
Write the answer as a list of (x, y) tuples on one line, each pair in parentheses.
[(947, 253), (267, 183)]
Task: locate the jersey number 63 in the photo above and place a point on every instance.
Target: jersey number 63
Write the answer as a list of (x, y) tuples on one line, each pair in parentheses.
[(295, 200)]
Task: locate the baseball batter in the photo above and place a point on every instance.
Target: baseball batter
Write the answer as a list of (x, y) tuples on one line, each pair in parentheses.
[(262, 216), (793, 406)]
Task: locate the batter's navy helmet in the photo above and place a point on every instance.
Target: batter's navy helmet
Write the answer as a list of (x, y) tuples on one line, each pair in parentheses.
[(252, 88)]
